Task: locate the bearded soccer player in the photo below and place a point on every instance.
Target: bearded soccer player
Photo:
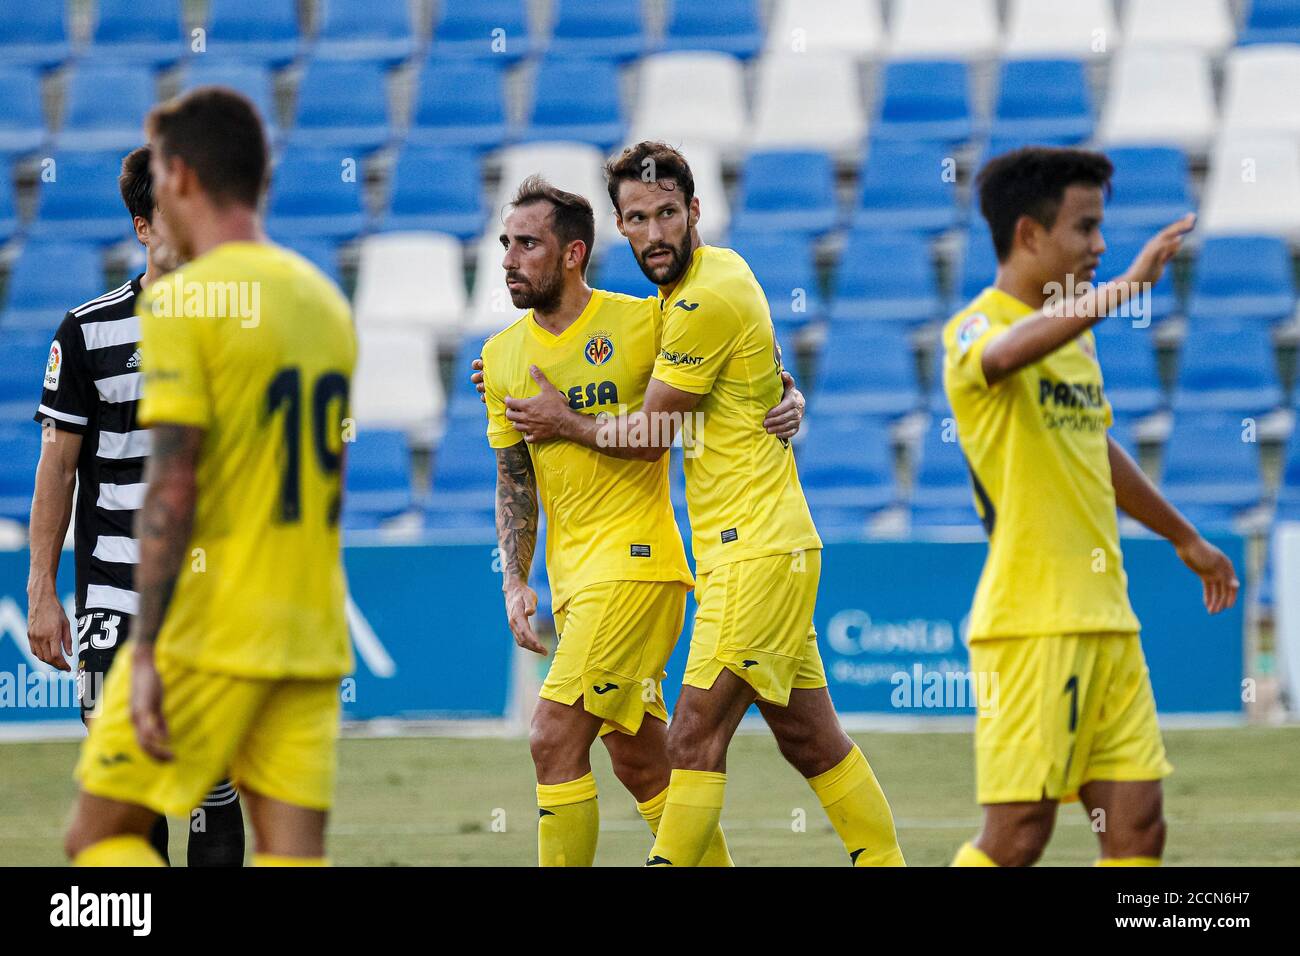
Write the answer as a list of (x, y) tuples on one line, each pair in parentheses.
[(758, 555), (241, 639), (93, 444), (1076, 715), (614, 555)]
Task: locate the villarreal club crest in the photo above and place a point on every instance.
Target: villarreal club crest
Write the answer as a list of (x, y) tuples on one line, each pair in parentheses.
[(599, 348)]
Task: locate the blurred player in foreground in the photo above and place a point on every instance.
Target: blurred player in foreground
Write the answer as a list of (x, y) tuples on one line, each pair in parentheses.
[(241, 640), (614, 555), (757, 552), (1075, 717), (89, 404)]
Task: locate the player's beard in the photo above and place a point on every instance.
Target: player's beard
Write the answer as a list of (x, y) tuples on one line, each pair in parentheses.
[(672, 271), (542, 296)]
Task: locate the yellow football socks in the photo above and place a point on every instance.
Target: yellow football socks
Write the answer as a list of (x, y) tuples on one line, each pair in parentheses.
[(716, 855), (1128, 861), (859, 811), (129, 849), (971, 855), (271, 859), (568, 822), (691, 813)]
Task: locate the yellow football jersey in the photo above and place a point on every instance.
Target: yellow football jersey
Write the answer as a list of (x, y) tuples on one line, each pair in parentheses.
[(255, 346), (1036, 447), (742, 487), (609, 519)]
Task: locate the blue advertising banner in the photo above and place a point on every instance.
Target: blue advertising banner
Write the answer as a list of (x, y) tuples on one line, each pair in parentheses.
[(431, 640)]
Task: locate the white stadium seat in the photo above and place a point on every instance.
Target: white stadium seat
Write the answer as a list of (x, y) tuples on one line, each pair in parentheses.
[(944, 29), (411, 278), (1261, 90), (1074, 28), (854, 27), (576, 167), (715, 211), (699, 97), (1253, 187), (808, 101), (1160, 96), (1204, 25), (490, 308), (396, 384)]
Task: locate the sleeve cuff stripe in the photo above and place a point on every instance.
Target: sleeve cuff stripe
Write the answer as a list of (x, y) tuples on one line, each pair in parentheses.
[(62, 416)]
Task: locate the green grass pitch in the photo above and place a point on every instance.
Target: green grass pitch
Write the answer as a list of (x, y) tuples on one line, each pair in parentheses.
[(1234, 799)]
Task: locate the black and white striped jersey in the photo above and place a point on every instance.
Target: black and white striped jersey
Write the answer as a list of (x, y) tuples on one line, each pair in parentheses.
[(92, 387)]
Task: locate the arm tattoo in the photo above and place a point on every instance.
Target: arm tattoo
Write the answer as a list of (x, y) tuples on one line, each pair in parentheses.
[(516, 510), (165, 522)]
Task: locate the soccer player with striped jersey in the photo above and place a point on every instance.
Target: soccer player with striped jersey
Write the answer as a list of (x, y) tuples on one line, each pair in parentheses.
[(93, 442), (757, 552), (241, 639), (1075, 717)]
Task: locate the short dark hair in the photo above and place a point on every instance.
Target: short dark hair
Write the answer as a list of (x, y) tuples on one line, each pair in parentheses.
[(136, 184), (649, 161), (1031, 182), (571, 215), (219, 134)]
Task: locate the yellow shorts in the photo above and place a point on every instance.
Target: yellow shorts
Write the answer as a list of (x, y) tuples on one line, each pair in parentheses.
[(615, 639), (755, 619), (1069, 709), (276, 737)]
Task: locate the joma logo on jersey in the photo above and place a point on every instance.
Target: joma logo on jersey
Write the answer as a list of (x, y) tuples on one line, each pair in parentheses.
[(599, 349), (1070, 394), (593, 393)]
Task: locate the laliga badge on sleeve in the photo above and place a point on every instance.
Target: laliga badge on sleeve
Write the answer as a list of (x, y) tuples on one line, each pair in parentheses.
[(54, 366), (971, 328)]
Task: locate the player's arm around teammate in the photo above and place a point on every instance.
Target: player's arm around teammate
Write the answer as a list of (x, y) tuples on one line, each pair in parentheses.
[(48, 630)]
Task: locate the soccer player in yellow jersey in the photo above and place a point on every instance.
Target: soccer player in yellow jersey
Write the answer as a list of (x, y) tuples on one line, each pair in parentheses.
[(1051, 616), (241, 639), (758, 556)]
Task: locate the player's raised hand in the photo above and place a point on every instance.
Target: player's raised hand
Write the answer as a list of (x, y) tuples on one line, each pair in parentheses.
[(521, 604), (784, 419), (1218, 578), (539, 418), (1150, 263), (48, 632), (477, 379), (146, 706)]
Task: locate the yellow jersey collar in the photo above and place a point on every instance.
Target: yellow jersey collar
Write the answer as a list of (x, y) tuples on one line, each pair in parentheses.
[(696, 258), (547, 337)]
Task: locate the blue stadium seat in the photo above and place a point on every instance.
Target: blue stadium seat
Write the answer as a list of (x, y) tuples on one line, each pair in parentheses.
[(1243, 277), (377, 31), (459, 104), (311, 199), (8, 207), (936, 399), (34, 33), (464, 470), (1150, 189), (482, 28), (265, 30), (462, 398), (22, 122), (322, 253), (1121, 248), (106, 106), (1128, 369), (576, 99), (942, 478), (979, 263), (865, 371), (847, 462), (378, 475), (138, 31), (1229, 368), (20, 373), (436, 190), (1272, 21), (1208, 466), (342, 104), (614, 29), (885, 277), (1043, 100), (1288, 495), (620, 272), (83, 202), (787, 192), (22, 444), (727, 26), (925, 100), (48, 279), (783, 265), (251, 78), (907, 186)]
